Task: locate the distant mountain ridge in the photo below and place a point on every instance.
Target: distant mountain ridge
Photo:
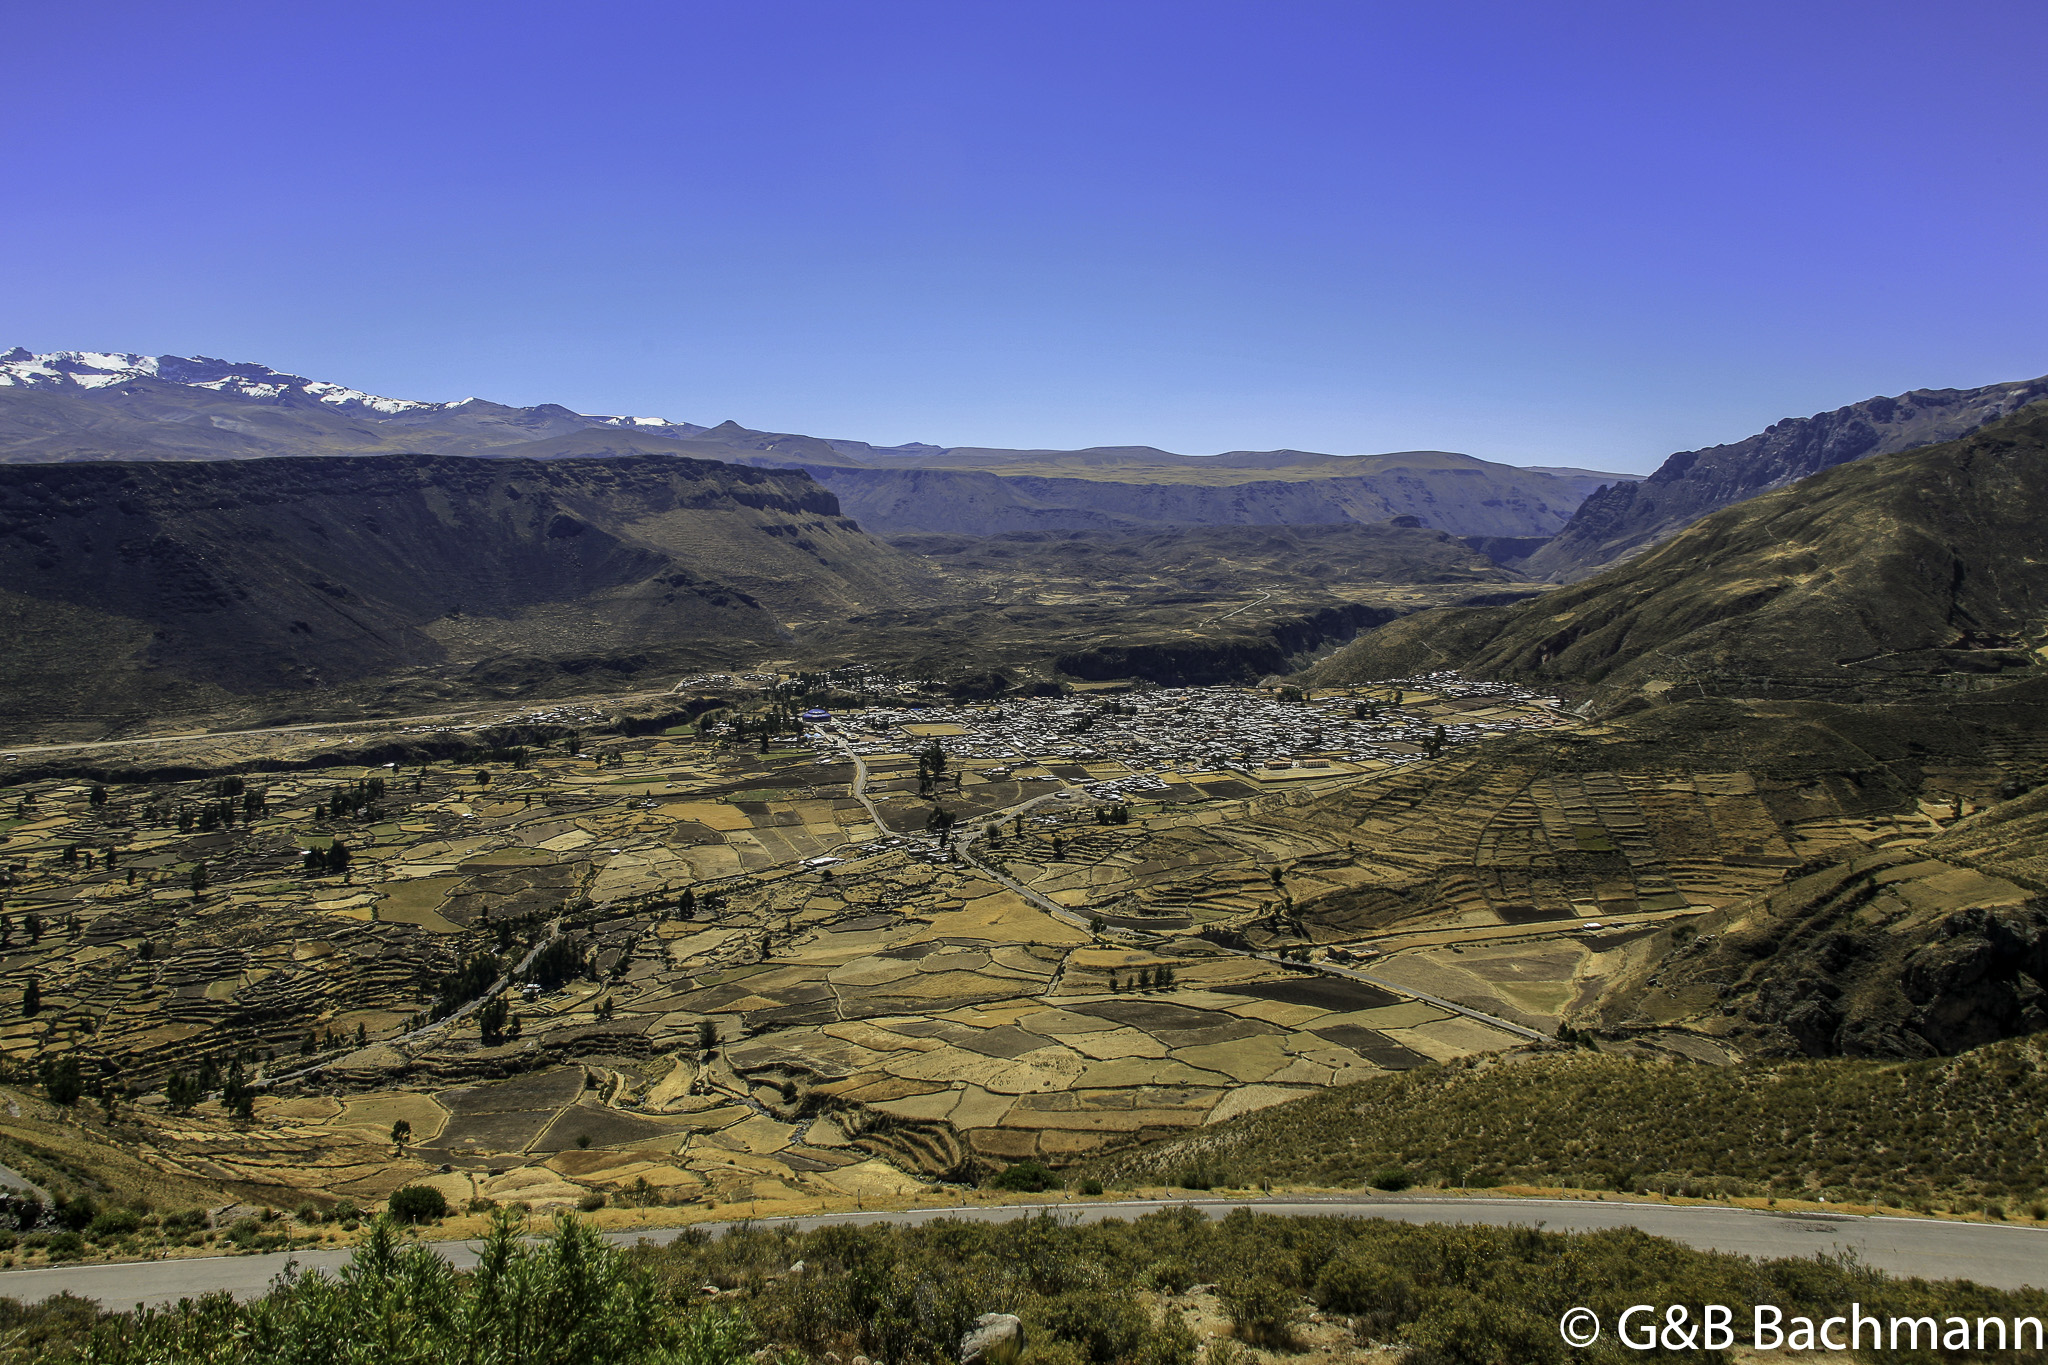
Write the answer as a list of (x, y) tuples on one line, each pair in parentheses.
[(1627, 518), (69, 406)]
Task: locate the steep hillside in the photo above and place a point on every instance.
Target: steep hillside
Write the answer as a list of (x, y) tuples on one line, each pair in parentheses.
[(171, 587), (1628, 517), (1892, 575), (1897, 953)]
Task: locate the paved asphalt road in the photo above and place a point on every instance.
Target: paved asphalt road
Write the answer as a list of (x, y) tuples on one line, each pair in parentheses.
[(2007, 1257)]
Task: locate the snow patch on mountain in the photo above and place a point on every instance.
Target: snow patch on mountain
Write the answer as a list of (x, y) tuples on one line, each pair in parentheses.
[(21, 368)]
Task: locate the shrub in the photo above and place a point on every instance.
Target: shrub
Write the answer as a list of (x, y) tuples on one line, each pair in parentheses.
[(63, 1246), (418, 1204), (77, 1214), (1262, 1309), (114, 1223), (182, 1221), (592, 1202), (1380, 1298), (1392, 1178), (1106, 1326), (1091, 1186), (1463, 1329), (1027, 1177)]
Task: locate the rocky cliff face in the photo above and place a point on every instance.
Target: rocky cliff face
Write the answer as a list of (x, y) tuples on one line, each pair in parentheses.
[(128, 588), (1626, 519)]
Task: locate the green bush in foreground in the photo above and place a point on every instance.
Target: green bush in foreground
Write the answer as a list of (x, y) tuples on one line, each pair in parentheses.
[(570, 1298), (1089, 1295)]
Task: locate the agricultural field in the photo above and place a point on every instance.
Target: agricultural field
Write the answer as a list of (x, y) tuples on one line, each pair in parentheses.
[(743, 959)]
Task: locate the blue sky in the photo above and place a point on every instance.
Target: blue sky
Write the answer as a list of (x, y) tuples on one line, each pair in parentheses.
[(1570, 233)]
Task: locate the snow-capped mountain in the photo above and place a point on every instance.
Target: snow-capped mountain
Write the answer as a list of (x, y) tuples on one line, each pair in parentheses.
[(75, 370)]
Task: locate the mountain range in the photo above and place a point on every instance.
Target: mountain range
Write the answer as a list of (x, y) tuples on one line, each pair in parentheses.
[(78, 405)]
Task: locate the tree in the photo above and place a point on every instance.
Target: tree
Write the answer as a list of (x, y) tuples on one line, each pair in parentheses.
[(97, 796), (491, 1018), (418, 1204), (63, 1082), (236, 1094), (181, 1091), (707, 1036), (32, 998), (32, 924), (198, 878), (401, 1133)]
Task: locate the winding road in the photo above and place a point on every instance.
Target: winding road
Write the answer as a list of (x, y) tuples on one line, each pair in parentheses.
[(1991, 1254)]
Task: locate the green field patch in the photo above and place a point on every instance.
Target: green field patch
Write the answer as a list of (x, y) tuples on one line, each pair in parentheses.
[(418, 902), (757, 794)]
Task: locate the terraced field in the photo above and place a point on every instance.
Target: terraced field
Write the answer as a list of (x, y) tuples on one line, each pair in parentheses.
[(727, 982)]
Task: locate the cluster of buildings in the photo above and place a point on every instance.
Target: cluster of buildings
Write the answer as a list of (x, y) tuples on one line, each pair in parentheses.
[(1194, 729)]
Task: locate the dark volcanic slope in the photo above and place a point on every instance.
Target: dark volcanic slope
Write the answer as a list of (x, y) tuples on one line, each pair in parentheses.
[(1897, 573), (1628, 517), (172, 587)]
